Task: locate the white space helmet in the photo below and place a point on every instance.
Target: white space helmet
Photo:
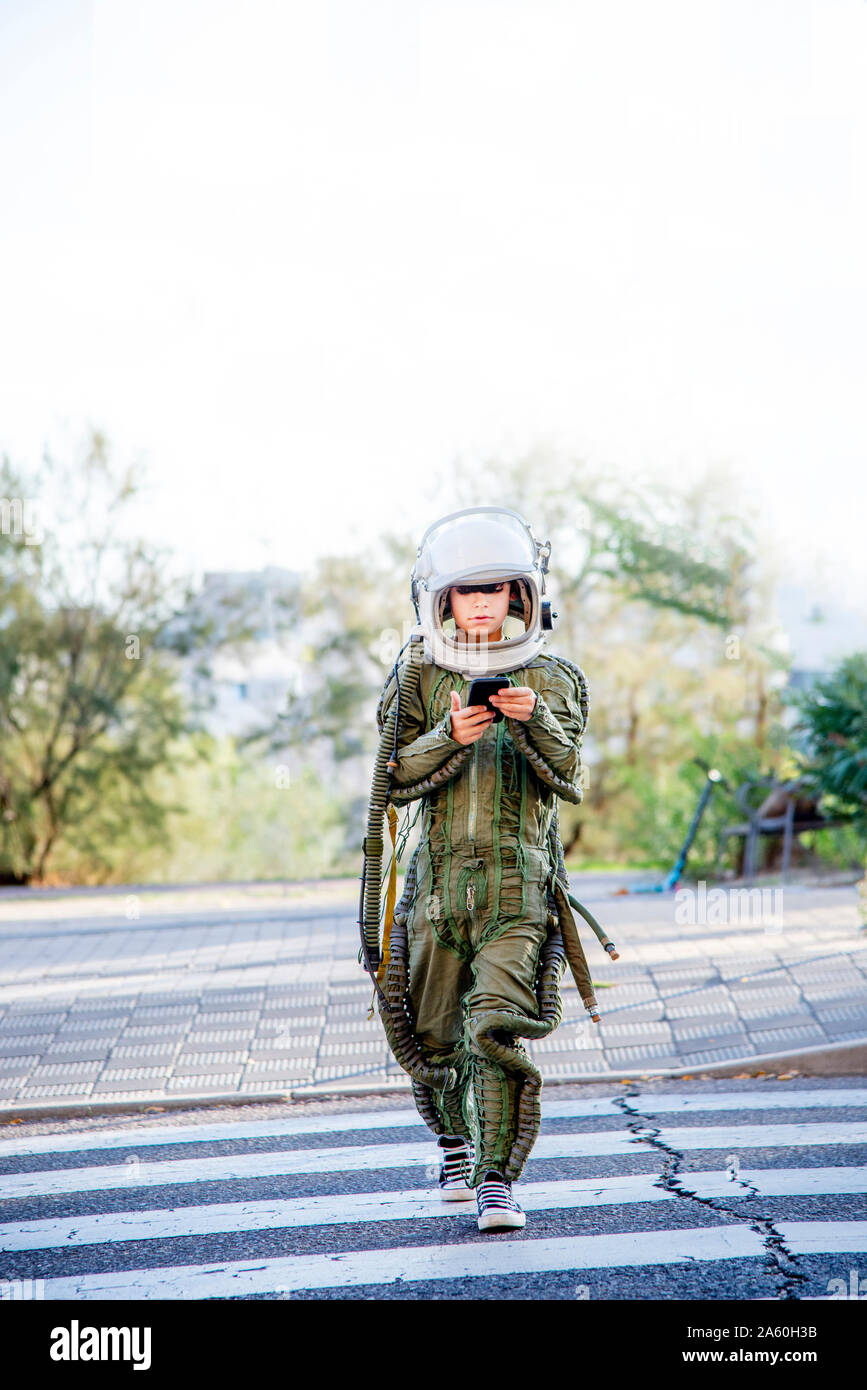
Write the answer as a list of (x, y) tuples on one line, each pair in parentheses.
[(487, 544)]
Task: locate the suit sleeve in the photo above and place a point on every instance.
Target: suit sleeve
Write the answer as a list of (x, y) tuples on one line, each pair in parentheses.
[(551, 737), (422, 752)]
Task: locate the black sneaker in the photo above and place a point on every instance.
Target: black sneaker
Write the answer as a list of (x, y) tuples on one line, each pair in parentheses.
[(498, 1210), (455, 1169)]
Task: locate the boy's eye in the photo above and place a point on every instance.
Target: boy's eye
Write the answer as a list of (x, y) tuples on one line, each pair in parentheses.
[(479, 588)]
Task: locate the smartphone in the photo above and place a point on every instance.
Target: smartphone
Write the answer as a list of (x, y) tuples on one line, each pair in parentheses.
[(483, 687)]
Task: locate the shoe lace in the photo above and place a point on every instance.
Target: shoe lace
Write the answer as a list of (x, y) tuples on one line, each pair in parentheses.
[(455, 1163), (496, 1192)]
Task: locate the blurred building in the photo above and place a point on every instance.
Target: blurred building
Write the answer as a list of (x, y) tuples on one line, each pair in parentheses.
[(253, 654), (820, 631)]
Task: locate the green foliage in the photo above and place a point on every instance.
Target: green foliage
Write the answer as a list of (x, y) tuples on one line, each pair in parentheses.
[(832, 722), (243, 818), (657, 798)]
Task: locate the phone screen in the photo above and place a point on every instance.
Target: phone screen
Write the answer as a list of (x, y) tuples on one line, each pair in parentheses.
[(485, 686)]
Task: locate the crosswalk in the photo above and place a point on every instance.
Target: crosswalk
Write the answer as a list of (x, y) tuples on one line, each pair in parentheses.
[(762, 1184)]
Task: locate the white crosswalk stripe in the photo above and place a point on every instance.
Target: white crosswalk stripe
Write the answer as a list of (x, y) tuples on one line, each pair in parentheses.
[(345, 1270), (635, 1198), (357, 1207), (139, 1137), (286, 1162)]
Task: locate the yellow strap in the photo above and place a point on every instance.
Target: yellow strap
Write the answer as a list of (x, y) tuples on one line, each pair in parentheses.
[(390, 897), (389, 907)]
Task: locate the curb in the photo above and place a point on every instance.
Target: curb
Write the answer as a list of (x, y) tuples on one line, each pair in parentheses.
[(835, 1059), (828, 1059), (37, 1110)]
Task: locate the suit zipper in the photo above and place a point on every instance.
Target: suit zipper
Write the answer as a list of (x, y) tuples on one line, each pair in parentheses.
[(471, 820)]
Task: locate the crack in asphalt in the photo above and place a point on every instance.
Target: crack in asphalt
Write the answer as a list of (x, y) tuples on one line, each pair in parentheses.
[(782, 1264)]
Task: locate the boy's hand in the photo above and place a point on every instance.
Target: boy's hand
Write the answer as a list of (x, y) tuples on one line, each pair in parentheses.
[(518, 702), (468, 724)]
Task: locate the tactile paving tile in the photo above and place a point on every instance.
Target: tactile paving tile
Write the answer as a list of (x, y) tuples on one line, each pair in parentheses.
[(197, 1060), (283, 1023), (718, 1002), (567, 1068), (787, 1036), (69, 1088), (362, 1031), (66, 1071), (116, 1074), (840, 996), (144, 1050), (161, 1014), (561, 1055), (285, 1082), (333, 1073), (764, 994), (839, 1011), (757, 1023), (712, 1024), (228, 1080), (240, 998), (177, 998), (279, 1064), (673, 975), (614, 1028), (354, 1049), (279, 995), (235, 1035), (290, 1039), (24, 1063), (31, 1022), (719, 1054), (79, 1049), (24, 1042), (92, 1025), (98, 1003), (654, 1051), (155, 1031)]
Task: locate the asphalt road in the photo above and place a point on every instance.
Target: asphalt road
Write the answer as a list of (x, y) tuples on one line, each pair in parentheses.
[(717, 1189)]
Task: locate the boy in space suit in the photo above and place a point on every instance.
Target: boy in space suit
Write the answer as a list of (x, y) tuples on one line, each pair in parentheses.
[(476, 902)]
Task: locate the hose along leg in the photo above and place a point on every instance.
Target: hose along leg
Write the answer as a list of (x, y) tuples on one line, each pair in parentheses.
[(397, 1022), (506, 1084), (438, 1082), (446, 1111)]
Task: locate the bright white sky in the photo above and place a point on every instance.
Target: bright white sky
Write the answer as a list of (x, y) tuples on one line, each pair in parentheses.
[(302, 256)]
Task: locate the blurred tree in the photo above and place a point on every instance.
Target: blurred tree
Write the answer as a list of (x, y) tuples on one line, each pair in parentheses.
[(88, 700)]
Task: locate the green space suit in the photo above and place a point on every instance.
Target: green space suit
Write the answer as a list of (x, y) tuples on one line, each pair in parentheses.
[(477, 953)]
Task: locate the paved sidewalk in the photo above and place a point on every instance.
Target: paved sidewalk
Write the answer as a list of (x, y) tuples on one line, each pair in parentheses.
[(237, 991)]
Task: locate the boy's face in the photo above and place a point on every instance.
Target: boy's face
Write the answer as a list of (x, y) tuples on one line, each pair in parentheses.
[(479, 613)]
